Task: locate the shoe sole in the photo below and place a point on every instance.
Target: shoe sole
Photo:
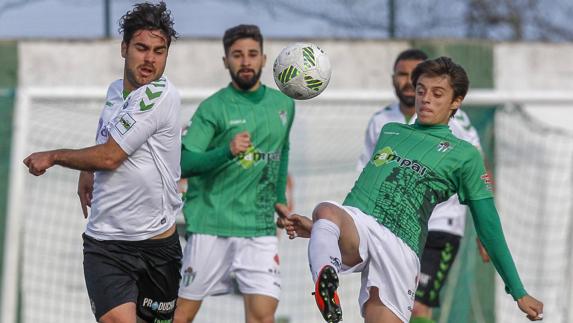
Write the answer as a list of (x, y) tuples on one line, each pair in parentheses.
[(325, 293)]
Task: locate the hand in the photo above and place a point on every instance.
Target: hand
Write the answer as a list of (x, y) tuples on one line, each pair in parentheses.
[(85, 190), (298, 226), (283, 212), (37, 163), (532, 307), (240, 143), (482, 252)]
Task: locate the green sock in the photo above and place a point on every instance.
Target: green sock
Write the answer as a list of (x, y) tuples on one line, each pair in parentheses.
[(421, 320)]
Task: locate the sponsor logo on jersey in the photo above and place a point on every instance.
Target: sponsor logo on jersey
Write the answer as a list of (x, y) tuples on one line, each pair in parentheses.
[(444, 146), (486, 178), (237, 121), (253, 156), (387, 155), (162, 321), (124, 123), (391, 133), (162, 307), (283, 116)]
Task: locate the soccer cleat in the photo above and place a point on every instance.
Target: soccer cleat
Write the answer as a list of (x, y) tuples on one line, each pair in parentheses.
[(326, 296)]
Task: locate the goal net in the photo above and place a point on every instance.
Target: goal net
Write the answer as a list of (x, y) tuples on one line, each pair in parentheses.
[(43, 275)]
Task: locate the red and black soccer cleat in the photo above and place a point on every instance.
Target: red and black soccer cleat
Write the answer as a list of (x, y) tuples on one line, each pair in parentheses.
[(326, 296)]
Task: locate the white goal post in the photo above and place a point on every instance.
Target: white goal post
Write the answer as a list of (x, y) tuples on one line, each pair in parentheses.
[(44, 222)]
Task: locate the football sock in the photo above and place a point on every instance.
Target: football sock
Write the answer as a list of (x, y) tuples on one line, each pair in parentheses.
[(323, 247)]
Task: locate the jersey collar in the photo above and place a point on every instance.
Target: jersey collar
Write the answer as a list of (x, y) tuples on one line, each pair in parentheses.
[(252, 96), (437, 129)]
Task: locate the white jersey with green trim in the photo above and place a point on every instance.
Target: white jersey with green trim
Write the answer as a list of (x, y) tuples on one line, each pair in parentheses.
[(448, 216), (139, 199)]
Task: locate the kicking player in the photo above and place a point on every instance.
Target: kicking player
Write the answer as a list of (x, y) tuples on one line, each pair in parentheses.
[(132, 255), (235, 153), (447, 222), (381, 227)]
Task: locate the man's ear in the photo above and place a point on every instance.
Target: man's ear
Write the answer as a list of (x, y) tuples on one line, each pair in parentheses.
[(123, 49), (457, 103), (225, 62)]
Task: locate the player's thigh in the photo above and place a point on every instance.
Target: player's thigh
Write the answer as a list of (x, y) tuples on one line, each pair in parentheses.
[(256, 266), (376, 312), (392, 269), (158, 279), (109, 276), (124, 313), (349, 241), (206, 269), (260, 308), (437, 259), (186, 310)]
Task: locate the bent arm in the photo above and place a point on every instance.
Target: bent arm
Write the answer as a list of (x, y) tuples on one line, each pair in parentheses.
[(196, 163), (490, 233)]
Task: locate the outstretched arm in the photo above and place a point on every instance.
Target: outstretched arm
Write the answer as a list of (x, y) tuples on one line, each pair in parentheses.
[(490, 233), (107, 156)]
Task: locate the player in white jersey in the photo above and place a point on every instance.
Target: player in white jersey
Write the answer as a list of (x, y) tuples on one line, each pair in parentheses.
[(447, 222), (132, 255)]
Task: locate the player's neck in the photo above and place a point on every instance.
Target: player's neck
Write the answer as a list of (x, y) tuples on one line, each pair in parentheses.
[(252, 89), (407, 112)]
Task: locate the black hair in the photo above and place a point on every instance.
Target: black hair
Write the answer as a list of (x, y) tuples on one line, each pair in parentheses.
[(411, 54), (240, 32), (147, 16)]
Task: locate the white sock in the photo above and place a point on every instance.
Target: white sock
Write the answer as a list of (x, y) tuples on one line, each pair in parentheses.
[(323, 247)]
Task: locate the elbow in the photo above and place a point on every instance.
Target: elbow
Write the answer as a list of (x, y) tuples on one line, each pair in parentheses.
[(110, 163)]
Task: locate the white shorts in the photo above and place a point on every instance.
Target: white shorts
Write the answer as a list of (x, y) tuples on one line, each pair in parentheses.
[(211, 264), (387, 263)]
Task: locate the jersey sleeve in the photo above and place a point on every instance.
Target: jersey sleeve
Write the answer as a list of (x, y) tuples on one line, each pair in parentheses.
[(473, 180), (202, 127), (142, 116), (283, 167), (370, 140)]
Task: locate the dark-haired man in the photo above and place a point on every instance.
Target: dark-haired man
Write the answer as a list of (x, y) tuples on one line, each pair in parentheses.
[(381, 227), (132, 255), (235, 153)]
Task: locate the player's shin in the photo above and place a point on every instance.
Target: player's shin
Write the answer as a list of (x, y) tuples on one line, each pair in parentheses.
[(323, 247)]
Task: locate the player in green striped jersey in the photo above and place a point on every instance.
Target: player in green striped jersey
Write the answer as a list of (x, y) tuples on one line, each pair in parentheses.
[(235, 153), (381, 227)]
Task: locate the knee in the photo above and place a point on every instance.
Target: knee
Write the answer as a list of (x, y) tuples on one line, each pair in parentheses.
[(326, 211)]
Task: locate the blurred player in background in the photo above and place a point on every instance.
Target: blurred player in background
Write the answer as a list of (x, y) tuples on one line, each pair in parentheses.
[(132, 255), (380, 229), (235, 153), (447, 222)]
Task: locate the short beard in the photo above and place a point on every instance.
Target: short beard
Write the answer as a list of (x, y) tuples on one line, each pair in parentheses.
[(243, 84), (408, 101)]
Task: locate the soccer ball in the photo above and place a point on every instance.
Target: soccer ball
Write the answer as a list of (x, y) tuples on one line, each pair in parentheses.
[(302, 71)]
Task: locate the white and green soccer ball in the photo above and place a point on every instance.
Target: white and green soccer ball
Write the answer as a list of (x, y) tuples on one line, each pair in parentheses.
[(302, 71)]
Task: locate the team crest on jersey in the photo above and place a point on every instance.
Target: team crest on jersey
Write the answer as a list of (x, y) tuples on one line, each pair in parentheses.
[(444, 146), (188, 276), (124, 123), (283, 116)]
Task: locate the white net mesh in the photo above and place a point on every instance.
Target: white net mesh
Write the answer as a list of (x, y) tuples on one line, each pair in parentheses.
[(326, 139), (534, 186)]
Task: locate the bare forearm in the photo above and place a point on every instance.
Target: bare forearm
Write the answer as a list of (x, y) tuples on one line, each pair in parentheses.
[(87, 159)]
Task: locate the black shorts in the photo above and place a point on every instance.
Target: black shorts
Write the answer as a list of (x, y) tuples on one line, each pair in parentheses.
[(146, 273), (437, 258)]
